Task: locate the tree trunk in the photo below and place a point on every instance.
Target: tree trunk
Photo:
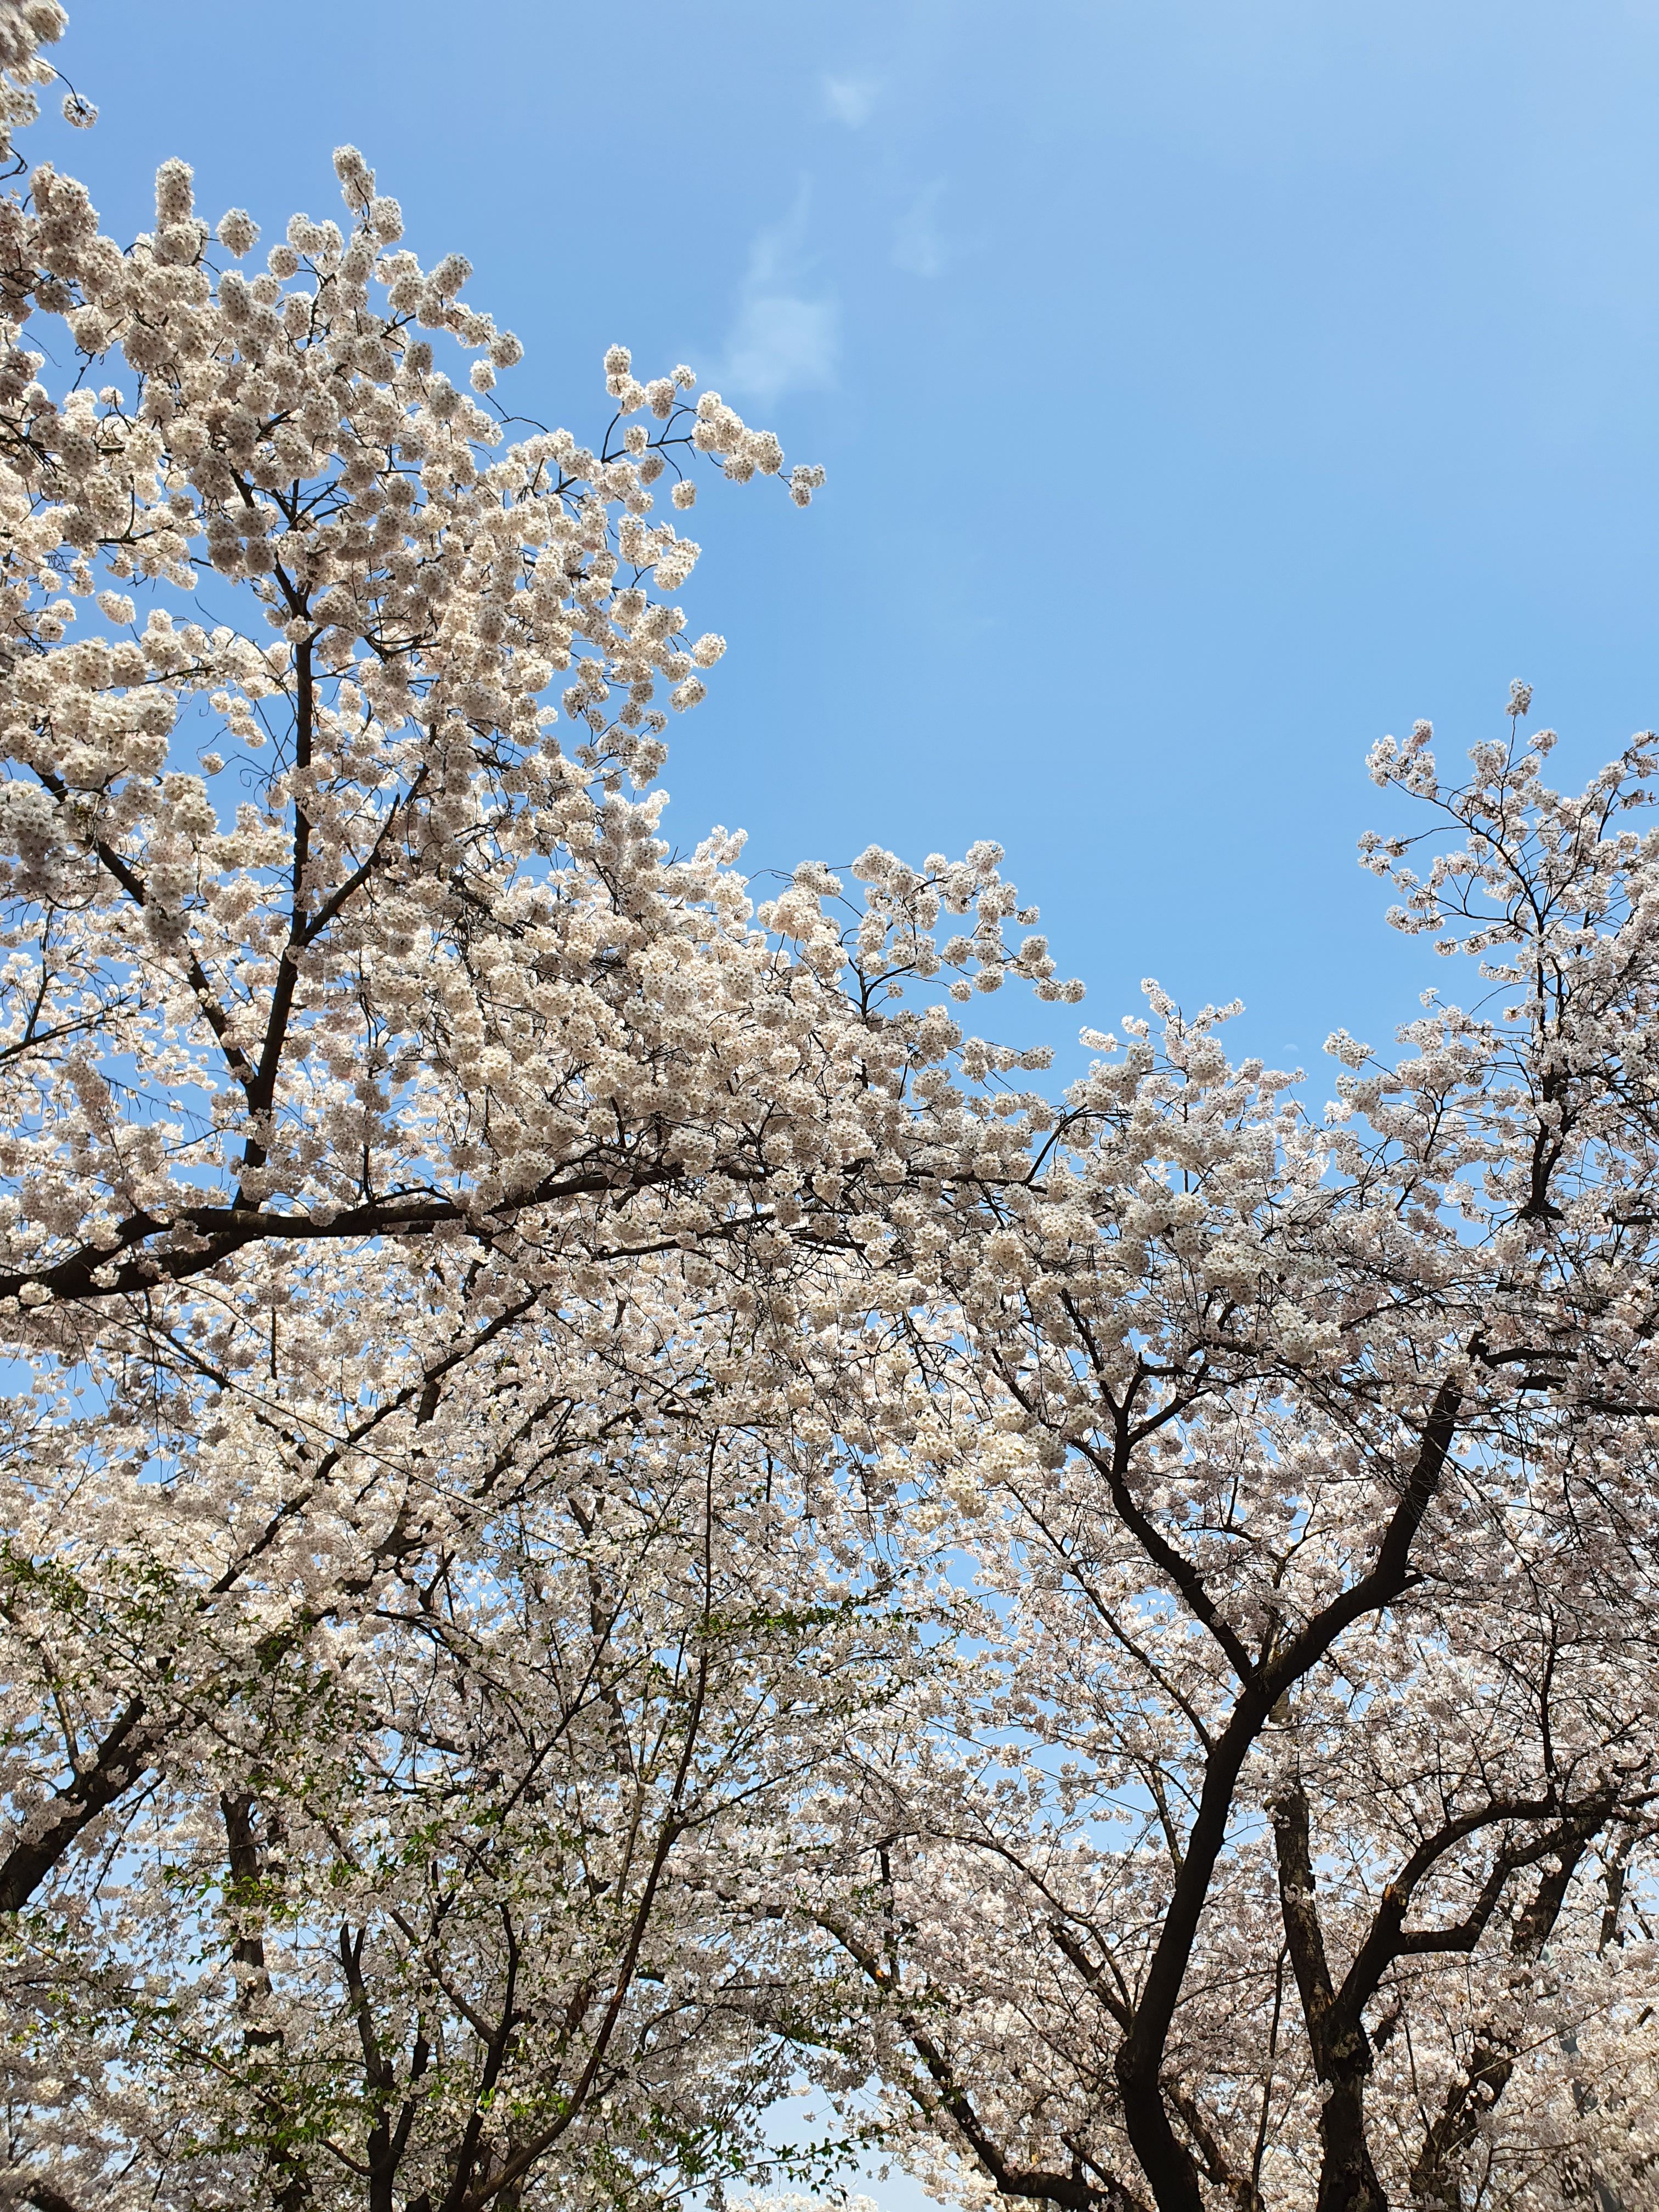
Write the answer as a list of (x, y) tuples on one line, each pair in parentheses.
[(1164, 2158), (1348, 2178)]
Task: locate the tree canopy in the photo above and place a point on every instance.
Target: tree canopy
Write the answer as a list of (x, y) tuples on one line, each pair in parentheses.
[(609, 1510)]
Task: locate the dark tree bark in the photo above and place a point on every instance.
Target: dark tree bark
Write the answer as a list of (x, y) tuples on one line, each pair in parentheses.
[(1341, 2049), (122, 1758)]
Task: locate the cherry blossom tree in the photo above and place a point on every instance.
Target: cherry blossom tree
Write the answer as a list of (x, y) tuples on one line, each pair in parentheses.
[(605, 1511), (1291, 1837), (420, 1564)]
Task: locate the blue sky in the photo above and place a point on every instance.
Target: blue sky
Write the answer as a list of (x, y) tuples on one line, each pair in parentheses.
[(1205, 388)]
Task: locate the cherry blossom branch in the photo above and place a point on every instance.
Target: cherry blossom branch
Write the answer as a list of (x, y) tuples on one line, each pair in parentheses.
[(120, 1760), (1168, 2165)]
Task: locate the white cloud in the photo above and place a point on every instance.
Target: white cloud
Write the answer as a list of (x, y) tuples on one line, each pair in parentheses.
[(917, 245), (781, 343), (851, 100), (782, 339)]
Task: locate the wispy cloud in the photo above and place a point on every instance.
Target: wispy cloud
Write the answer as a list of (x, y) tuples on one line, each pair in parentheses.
[(851, 100), (779, 343), (783, 339), (918, 246)]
